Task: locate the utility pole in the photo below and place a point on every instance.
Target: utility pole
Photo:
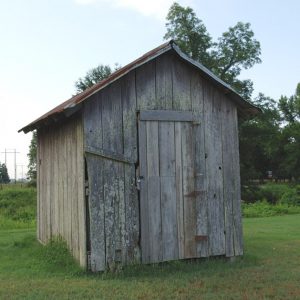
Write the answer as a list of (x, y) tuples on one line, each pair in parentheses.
[(15, 159), (22, 167)]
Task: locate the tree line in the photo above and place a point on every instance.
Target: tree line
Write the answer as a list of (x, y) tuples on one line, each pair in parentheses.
[(4, 177), (270, 141)]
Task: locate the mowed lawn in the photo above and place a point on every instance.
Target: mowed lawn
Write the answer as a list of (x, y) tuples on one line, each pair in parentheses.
[(270, 269)]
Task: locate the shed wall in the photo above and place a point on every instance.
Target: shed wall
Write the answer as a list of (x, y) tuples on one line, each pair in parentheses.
[(60, 181), (111, 146)]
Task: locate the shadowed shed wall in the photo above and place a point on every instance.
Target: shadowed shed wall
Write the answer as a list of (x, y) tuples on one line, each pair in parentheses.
[(61, 202)]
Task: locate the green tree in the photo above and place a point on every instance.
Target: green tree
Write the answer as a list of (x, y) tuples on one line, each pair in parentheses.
[(235, 50), (4, 177), (93, 76), (32, 173), (189, 32), (261, 141), (290, 111)]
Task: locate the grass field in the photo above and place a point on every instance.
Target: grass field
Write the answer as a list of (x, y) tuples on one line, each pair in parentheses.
[(270, 269)]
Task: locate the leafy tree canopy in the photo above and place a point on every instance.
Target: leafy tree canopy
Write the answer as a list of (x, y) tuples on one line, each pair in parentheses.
[(189, 32), (93, 76), (235, 50), (31, 174), (4, 177)]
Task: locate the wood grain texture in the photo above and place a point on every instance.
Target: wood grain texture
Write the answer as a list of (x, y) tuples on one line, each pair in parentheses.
[(153, 197), (197, 95), (181, 76), (214, 173), (189, 204), (145, 86), (228, 131), (237, 213), (38, 181), (179, 190), (60, 171), (131, 205), (166, 115), (168, 191), (145, 255), (112, 116), (95, 166), (164, 83)]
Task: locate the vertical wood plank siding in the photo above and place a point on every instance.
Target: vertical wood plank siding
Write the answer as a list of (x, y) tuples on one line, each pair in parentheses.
[(207, 223), (60, 185)]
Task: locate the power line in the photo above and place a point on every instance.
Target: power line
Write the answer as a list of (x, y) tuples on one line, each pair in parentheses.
[(15, 159)]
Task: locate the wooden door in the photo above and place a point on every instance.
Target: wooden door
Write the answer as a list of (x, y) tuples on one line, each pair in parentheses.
[(167, 185)]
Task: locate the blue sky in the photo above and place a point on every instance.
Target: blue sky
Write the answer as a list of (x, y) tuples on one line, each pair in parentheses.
[(46, 45)]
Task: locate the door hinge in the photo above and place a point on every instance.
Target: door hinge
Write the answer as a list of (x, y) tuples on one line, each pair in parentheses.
[(199, 238)]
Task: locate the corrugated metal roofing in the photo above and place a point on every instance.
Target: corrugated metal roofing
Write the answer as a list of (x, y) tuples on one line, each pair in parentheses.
[(68, 107)]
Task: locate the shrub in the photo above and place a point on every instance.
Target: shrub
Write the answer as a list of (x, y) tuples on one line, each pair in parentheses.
[(291, 197), (265, 209), (271, 192)]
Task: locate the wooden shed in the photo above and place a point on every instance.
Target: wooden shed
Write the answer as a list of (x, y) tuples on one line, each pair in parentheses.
[(143, 167)]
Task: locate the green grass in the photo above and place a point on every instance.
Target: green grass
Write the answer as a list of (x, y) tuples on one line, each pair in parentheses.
[(270, 269), (17, 207)]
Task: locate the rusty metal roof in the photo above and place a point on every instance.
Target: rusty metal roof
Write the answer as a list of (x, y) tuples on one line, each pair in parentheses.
[(68, 107)]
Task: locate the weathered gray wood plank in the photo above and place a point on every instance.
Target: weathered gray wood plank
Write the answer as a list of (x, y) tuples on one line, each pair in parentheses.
[(163, 79), (200, 172), (143, 193), (132, 216), (166, 115), (38, 169), (92, 121), (228, 131), (181, 85), (153, 216), (153, 197), (58, 180), (189, 207), (213, 152), (74, 169), (80, 191), (169, 218), (48, 185), (128, 92), (112, 116), (131, 206), (55, 197), (238, 228), (109, 155), (145, 86), (41, 183), (179, 191), (96, 212), (168, 191), (166, 149)]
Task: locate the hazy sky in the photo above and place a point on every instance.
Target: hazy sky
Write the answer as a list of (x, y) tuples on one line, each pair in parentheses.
[(46, 45)]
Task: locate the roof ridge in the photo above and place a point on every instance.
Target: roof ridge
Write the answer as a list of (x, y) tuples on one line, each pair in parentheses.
[(67, 107)]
